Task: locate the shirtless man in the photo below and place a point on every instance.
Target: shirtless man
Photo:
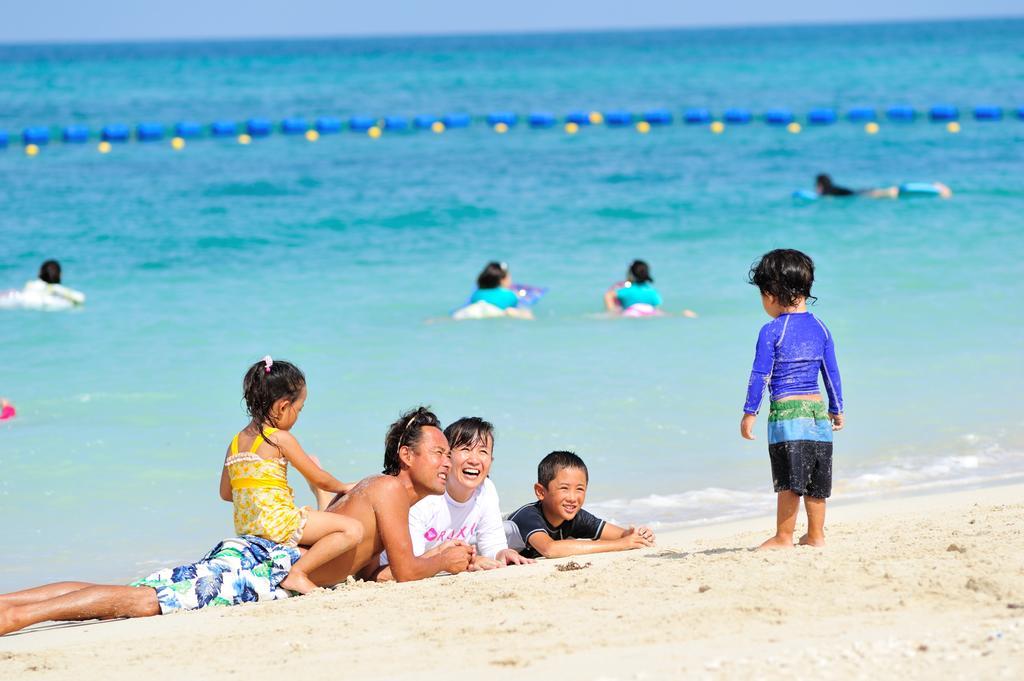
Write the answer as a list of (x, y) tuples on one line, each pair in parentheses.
[(416, 464)]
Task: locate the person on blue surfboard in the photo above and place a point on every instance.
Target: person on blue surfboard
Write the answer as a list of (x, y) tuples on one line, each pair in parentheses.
[(494, 287), (824, 186)]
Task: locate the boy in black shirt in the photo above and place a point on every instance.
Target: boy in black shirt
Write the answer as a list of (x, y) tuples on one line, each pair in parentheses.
[(557, 526)]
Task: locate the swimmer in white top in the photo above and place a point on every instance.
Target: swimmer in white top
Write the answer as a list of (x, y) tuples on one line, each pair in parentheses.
[(47, 287)]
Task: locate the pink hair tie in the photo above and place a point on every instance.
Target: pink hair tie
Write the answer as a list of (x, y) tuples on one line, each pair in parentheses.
[(268, 362)]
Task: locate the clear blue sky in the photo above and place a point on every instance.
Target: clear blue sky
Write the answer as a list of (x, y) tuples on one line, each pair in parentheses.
[(100, 20)]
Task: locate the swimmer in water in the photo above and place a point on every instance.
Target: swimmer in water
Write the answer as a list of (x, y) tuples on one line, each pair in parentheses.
[(636, 296), (494, 286), (6, 409), (824, 186), (48, 285)]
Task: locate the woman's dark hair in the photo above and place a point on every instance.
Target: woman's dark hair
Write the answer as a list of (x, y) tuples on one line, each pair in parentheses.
[(784, 274), (492, 275), (640, 272), (406, 431), (549, 466), (469, 431), (824, 181), (50, 272), (262, 386)]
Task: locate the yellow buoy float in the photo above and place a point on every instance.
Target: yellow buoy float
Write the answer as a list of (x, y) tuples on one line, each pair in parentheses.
[(572, 128), (596, 118), (871, 128), (953, 127), (718, 127), (643, 127), (31, 149), (244, 139), (178, 143), (374, 132), (794, 128), (312, 135), (437, 127), (103, 147), (501, 128)]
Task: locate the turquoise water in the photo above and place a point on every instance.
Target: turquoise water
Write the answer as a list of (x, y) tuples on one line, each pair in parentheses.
[(337, 254)]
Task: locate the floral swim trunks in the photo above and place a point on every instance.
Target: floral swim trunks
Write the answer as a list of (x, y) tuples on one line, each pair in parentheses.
[(238, 570)]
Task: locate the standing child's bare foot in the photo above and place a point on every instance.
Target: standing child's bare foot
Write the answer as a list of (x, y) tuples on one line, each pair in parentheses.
[(776, 542), (817, 542), (298, 582)]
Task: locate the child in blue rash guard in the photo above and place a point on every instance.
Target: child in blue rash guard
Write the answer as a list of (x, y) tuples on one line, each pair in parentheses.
[(791, 350)]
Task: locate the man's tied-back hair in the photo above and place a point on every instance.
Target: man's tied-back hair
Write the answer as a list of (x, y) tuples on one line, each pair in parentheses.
[(784, 274), (549, 466), (468, 432), (408, 431)]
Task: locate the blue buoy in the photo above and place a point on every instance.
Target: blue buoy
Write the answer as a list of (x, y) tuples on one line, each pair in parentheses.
[(507, 117), (657, 116), (859, 114), (617, 119), (778, 117), (258, 127), (294, 125), (456, 120), (115, 132), (1020, 112), (737, 116), (188, 129), (327, 125), (4, 137), (578, 117), (424, 121), (943, 112), (396, 123), (821, 116), (541, 119), (149, 132), (75, 134), (36, 135), (901, 113), (697, 116), (988, 113), (361, 123), (223, 128)]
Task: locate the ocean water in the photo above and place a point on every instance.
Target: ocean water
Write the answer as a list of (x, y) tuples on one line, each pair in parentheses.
[(345, 256)]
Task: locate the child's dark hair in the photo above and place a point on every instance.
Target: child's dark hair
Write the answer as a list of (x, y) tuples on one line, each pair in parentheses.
[(49, 272), (469, 431), (549, 466), (492, 275), (784, 274), (406, 431), (640, 272), (268, 381)]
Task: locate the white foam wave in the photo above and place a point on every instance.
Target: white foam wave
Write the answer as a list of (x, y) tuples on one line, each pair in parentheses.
[(985, 463)]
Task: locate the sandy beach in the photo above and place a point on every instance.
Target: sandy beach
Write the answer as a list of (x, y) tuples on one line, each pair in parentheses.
[(921, 587)]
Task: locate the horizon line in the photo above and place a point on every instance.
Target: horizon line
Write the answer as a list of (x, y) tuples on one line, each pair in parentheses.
[(510, 32)]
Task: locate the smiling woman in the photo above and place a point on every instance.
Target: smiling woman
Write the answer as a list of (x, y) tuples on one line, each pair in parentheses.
[(468, 511)]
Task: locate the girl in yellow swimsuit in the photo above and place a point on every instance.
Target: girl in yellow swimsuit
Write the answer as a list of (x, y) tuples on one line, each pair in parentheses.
[(255, 475)]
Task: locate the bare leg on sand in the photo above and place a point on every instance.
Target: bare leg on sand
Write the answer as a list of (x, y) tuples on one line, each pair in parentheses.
[(785, 522)]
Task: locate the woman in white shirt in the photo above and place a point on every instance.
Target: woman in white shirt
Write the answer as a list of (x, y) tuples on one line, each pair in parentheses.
[(468, 511)]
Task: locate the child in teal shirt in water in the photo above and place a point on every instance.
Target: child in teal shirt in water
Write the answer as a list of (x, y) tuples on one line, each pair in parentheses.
[(494, 286)]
